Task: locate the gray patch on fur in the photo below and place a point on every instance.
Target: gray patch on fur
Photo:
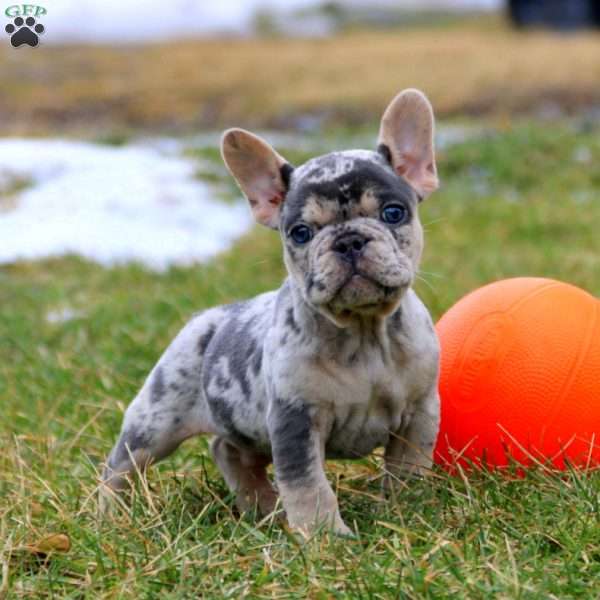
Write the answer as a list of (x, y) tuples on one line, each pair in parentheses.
[(222, 413), (290, 441), (205, 339), (257, 360), (157, 391), (233, 341), (132, 438), (291, 322)]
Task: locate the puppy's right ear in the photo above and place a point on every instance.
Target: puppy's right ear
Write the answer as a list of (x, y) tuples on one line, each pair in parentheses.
[(261, 173)]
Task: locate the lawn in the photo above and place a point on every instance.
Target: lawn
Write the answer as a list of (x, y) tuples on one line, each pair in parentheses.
[(521, 199)]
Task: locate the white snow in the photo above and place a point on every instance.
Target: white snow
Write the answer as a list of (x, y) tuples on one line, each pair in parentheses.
[(112, 205), (63, 315)]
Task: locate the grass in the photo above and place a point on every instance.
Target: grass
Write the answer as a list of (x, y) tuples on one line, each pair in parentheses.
[(10, 187), (466, 67), (521, 200)]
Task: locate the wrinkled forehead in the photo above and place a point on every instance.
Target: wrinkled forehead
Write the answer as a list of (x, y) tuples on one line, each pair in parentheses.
[(343, 181)]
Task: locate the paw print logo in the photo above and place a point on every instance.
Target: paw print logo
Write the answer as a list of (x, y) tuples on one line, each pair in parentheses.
[(24, 31)]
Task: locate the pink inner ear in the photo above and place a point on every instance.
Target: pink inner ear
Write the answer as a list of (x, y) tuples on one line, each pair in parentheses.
[(421, 176), (406, 164), (276, 200), (266, 208), (410, 160)]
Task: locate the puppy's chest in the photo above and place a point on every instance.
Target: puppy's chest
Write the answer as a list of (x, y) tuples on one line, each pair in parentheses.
[(365, 412)]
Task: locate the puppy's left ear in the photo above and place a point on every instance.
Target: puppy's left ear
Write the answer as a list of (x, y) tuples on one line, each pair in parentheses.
[(262, 174), (406, 136)]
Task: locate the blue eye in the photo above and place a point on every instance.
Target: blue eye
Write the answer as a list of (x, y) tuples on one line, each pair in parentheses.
[(301, 234), (394, 214)]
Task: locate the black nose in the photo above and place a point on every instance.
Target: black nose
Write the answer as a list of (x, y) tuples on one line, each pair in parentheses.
[(350, 246)]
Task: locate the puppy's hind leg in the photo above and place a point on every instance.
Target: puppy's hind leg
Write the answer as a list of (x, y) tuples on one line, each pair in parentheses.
[(161, 417), (245, 473)]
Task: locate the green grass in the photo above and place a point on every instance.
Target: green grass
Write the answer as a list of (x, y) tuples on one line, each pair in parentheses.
[(521, 201)]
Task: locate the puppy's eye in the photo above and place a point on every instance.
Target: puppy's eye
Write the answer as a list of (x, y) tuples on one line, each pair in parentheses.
[(301, 234), (394, 214)]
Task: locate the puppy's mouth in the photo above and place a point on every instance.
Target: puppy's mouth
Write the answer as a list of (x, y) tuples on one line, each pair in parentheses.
[(361, 293)]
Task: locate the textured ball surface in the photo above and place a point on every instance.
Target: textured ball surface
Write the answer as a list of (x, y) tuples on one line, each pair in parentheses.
[(520, 375)]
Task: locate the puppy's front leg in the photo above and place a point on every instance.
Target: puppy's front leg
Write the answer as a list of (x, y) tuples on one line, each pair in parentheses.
[(298, 458), (410, 450)]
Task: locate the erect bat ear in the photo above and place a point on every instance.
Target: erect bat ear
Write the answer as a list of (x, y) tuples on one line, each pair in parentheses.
[(406, 130), (259, 170)]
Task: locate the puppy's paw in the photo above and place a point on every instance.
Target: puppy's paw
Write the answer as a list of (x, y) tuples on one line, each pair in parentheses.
[(341, 529), (106, 501), (267, 501), (263, 498), (338, 529), (329, 521)]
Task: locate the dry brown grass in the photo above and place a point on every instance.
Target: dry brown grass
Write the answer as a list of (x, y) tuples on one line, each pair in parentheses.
[(484, 68)]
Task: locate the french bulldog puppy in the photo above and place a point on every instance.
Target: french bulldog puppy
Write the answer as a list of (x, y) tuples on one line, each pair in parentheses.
[(340, 360)]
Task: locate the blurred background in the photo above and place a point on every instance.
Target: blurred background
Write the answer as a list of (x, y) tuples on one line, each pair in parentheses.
[(170, 67)]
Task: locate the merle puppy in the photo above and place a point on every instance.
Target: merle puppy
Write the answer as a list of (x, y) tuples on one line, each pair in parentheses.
[(342, 359)]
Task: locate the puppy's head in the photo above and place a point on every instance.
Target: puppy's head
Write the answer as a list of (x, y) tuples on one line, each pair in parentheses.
[(351, 233)]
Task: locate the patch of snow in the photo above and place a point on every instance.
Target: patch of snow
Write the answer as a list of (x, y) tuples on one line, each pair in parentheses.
[(62, 315), (112, 205)]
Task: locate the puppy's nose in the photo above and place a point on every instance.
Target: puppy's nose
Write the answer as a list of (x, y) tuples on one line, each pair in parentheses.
[(350, 246)]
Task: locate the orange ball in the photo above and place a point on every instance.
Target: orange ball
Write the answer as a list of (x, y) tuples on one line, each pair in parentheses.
[(520, 376)]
